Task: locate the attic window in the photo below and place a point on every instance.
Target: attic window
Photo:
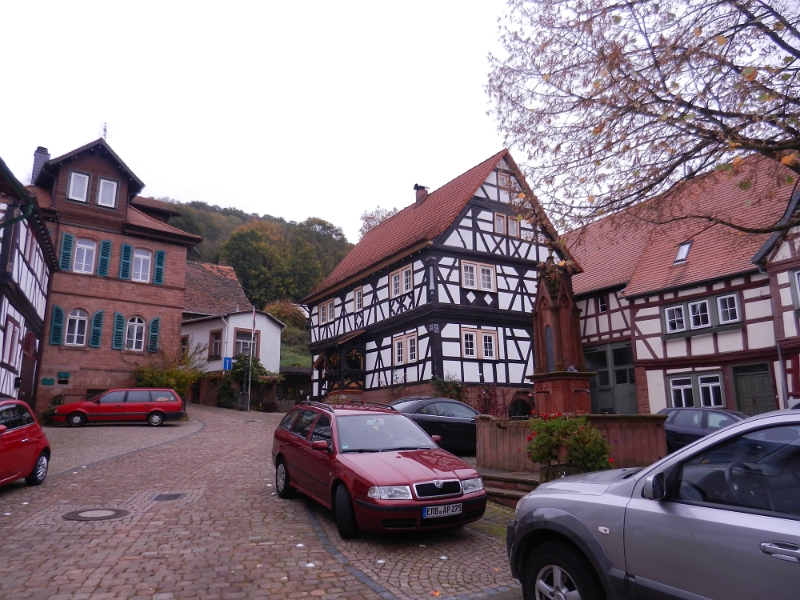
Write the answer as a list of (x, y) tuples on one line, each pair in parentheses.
[(78, 187), (683, 252), (107, 193)]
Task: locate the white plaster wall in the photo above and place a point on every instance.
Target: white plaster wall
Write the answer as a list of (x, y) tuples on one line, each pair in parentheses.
[(760, 335), (656, 389), (730, 341), (702, 344)]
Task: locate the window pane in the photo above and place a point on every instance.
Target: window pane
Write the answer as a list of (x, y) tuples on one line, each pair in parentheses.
[(675, 319), (396, 284), (513, 227), (688, 418), (623, 356), (322, 430), (141, 265), (113, 398), (486, 279), (488, 346), (84, 256), (728, 312), (398, 352), (595, 359), (469, 344), (469, 276), (412, 349), (602, 378), (108, 192), (699, 314), (407, 280), (78, 186), (621, 376)]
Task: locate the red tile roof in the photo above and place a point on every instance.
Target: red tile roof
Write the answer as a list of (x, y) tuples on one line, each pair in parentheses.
[(154, 204), (411, 226), (213, 290), (138, 218), (615, 251), (41, 195)]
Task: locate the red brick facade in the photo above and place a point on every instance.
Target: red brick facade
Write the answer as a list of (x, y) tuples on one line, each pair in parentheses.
[(72, 369)]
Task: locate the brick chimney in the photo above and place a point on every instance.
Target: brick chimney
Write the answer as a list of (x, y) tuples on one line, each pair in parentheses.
[(422, 193), (40, 157)]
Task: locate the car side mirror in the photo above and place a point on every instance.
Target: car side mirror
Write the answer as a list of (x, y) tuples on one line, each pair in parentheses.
[(320, 445), (655, 487), (436, 438)]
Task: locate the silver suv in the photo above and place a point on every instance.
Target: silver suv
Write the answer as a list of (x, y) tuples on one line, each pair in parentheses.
[(718, 519)]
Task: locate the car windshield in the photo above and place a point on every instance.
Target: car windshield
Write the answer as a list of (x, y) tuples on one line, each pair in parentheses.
[(379, 433)]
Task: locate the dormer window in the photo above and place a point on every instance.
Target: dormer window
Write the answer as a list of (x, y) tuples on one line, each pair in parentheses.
[(107, 193), (78, 187), (503, 180), (683, 252)]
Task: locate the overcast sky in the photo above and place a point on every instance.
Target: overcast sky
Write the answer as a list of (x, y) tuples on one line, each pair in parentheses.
[(293, 109)]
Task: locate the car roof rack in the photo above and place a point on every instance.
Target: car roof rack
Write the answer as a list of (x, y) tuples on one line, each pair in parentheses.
[(359, 404)]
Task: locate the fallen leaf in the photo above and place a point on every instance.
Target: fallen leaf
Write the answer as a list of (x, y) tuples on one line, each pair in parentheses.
[(721, 40), (788, 159)]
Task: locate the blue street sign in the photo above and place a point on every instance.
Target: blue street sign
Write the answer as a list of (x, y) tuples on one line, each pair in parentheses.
[(227, 363)]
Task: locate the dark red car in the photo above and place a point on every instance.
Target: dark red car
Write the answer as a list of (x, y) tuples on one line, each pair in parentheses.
[(24, 449), (376, 469), (153, 405)]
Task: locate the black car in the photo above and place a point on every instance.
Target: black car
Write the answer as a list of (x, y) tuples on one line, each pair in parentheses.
[(454, 421), (685, 425)]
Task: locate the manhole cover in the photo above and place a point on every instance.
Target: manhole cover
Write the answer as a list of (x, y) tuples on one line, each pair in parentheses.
[(166, 497), (95, 514)]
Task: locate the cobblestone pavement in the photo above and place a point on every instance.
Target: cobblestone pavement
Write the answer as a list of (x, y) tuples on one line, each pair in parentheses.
[(200, 520)]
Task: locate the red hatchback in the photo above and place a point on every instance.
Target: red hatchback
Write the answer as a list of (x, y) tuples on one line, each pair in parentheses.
[(153, 405), (377, 470), (24, 449)]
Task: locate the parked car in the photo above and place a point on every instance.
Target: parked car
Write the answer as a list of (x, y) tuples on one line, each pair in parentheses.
[(153, 405), (719, 518), (24, 449), (686, 425), (454, 421), (375, 469)]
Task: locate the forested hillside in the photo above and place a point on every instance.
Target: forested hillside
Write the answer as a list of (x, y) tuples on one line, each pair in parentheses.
[(273, 259)]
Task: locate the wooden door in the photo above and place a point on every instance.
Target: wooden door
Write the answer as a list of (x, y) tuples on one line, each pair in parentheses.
[(754, 391)]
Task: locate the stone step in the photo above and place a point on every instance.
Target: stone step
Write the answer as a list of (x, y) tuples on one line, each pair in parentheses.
[(505, 497)]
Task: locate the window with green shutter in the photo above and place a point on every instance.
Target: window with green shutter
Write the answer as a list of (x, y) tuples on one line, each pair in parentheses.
[(57, 326), (67, 243), (105, 258), (118, 338), (152, 339), (125, 261), (96, 337), (158, 274)]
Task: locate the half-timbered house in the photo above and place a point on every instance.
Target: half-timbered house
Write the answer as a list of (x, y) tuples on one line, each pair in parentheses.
[(117, 299), (443, 289), (684, 312), (27, 260)]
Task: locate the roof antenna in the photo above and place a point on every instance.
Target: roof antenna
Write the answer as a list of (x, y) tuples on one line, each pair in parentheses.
[(105, 131)]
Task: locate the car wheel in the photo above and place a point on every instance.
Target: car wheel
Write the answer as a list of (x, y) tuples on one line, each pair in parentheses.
[(155, 419), (39, 470), (557, 570), (282, 482), (343, 510), (76, 419)]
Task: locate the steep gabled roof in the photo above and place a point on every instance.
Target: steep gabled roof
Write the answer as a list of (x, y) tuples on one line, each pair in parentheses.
[(137, 222), (616, 251), (213, 290), (416, 226), (153, 204)]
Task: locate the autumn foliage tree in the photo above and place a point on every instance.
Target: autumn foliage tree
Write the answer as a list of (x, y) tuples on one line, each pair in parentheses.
[(372, 218), (613, 102)]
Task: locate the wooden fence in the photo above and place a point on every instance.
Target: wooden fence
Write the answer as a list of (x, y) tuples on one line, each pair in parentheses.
[(634, 440)]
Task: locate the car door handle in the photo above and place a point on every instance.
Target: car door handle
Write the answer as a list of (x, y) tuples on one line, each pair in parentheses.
[(25, 440), (781, 551)]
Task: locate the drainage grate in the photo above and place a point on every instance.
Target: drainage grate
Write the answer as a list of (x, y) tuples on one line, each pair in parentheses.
[(167, 497), (95, 514)]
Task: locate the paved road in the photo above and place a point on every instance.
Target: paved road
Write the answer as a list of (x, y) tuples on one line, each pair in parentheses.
[(201, 520)]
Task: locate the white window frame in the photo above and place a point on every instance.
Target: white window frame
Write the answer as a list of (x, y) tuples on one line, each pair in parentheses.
[(331, 311), (683, 252), (721, 309), (72, 192), (73, 335), (480, 270), (681, 388), (503, 180), (358, 299), (247, 344), (12, 335), (138, 273), (691, 308), (82, 248), (323, 313), (469, 276), (701, 387), (479, 337), (667, 318), (401, 281), (402, 353), (100, 187), (602, 304), (133, 342), (513, 227), (500, 225), (708, 386)]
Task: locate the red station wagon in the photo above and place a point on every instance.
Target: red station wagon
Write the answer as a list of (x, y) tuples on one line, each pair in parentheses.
[(135, 404), (24, 449), (376, 469)]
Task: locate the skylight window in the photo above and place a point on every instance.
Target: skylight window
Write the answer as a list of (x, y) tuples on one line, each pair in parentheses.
[(683, 252)]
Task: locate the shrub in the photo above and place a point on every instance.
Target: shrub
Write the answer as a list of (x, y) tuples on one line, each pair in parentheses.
[(450, 387), (567, 439), (227, 396)]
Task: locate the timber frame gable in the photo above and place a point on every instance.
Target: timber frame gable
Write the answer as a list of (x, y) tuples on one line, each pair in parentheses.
[(457, 303)]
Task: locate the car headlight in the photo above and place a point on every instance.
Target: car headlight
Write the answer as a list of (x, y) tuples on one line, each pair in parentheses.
[(390, 492), (472, 485)]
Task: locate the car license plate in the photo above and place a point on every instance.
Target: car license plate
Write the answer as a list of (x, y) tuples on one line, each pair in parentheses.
[(445, 510)]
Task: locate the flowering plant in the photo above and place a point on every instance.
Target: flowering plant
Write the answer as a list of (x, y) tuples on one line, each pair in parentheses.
[(568, 439)]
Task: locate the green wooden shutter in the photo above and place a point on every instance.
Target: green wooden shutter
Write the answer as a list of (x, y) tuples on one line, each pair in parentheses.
[(57, 326), (105, 258), (97, 329), (125, 261), (152, 340), (158, 274), (67, 243), (118, 339)]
